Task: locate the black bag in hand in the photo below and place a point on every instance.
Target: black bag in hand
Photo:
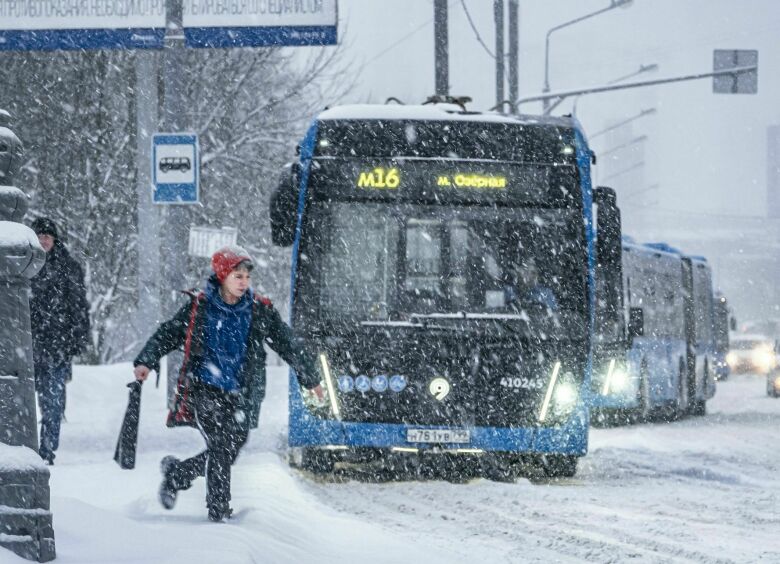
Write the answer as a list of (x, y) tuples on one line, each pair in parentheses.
[(128, 435)]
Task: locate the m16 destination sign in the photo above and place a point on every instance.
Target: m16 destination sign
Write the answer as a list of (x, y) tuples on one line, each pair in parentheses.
[(432, 180), (390, 178)]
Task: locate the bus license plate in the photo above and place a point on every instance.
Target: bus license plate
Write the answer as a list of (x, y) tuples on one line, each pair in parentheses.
[(438, 436)]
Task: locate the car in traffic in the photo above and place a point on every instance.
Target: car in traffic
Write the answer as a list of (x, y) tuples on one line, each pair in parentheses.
[(773, 383), (751, 353)]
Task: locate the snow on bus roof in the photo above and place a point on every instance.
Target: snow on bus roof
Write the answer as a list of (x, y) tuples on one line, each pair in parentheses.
[(664, 247), (431, 112), (632, 244)]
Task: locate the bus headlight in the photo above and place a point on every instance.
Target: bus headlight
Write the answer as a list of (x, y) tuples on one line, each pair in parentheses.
[(328, 385), (732, 359), (565, 397), (616, 380), (561, 394), (620, 380)]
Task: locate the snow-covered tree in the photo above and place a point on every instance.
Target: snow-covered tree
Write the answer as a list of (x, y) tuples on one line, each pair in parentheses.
[(75, 113)]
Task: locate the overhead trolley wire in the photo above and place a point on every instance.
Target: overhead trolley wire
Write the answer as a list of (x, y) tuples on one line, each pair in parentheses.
[(475, 30), (399, 41)]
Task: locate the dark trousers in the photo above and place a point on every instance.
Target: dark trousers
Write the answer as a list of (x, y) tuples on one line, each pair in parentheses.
[(50, 376), (225, 426)]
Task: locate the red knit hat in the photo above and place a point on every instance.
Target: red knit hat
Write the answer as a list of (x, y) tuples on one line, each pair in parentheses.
[(228, 258)]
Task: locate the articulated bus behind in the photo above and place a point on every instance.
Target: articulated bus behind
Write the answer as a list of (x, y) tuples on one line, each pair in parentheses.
[(658, 360), (643, 370), (443, 268)]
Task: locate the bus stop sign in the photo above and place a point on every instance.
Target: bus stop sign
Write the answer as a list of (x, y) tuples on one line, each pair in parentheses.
[(175, 170), (737, 83)]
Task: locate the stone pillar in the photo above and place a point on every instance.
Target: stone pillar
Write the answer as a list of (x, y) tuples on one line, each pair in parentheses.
[(25, 519)]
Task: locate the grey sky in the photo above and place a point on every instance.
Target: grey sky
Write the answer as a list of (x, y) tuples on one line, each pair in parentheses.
[(706, 152), (699, 178)]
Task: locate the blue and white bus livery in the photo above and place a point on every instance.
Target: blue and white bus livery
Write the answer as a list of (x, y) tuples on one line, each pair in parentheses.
[(645, 374), (656, 358), (443, 270)]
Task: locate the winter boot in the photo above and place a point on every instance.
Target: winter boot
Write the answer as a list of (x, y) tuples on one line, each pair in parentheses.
[(47, 456), (168, 491), (218, 512)]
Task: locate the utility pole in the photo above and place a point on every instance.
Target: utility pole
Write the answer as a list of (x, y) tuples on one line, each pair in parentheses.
[(441, 50), (514, 46), (498, 15)]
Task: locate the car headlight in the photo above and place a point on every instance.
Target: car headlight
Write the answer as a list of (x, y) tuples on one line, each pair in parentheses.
[(763, 359)]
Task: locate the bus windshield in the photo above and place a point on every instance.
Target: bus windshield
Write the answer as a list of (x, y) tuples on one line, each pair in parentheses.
[(392, 262)]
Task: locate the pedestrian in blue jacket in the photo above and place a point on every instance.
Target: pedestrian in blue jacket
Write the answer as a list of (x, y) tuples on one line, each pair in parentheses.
[(222, 379)]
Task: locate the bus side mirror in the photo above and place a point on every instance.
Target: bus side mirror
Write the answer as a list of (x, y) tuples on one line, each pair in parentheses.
[(636, 322), (283, 208), (733, 323), (608, 228)]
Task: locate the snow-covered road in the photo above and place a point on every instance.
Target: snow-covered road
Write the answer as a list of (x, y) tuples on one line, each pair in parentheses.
[(700, 490)]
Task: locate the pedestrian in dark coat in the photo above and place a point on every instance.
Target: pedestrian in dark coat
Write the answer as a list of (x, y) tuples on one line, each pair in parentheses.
[(222, 380), (59, 317)]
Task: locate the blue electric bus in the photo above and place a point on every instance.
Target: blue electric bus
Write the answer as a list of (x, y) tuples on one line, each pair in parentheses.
[(655, 359), (443, 275)]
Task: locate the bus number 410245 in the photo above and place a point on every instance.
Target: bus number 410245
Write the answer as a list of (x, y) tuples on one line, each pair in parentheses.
[(521, 383)]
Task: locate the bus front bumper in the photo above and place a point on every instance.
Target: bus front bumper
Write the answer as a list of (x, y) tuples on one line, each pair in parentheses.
[(570, 438)]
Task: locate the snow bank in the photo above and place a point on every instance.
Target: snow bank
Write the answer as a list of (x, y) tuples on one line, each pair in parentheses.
[(14, 234), (700, 490), (103, 514), (18, 458)]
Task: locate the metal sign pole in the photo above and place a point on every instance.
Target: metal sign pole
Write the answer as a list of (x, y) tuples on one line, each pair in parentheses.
[(174, 250), (733, 73), (146, 104)]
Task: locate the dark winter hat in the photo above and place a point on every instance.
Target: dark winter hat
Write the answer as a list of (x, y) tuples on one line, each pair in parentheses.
[(45, 226), (226, 259)]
